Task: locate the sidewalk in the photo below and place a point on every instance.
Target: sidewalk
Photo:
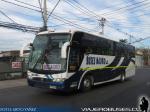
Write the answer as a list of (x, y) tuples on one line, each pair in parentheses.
[(13, 83)]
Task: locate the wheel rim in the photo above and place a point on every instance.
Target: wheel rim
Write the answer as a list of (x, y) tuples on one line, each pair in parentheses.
[(86, 83)]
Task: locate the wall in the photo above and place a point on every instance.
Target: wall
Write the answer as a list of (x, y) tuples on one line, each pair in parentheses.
[(139, 61)]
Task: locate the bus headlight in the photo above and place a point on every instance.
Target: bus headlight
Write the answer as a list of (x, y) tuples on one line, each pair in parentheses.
[(29, 75), (59, 80)]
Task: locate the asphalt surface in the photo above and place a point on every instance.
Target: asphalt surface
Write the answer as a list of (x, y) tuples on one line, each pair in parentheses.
[(114, 94)]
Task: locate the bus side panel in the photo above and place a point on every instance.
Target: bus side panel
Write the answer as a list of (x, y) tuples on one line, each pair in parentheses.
[(94, 46)]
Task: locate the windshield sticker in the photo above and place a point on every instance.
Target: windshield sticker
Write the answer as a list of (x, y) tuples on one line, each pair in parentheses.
[(51, 66)]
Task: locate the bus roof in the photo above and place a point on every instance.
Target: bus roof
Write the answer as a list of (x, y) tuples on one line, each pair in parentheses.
[(70, 31), (74, 31)]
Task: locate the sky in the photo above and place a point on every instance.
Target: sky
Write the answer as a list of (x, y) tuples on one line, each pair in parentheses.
[(128, 16)]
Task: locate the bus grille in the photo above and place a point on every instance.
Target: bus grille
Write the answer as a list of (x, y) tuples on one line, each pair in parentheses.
[(42, 79)]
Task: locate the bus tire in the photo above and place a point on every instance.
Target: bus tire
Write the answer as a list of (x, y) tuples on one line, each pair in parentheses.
[(86, 83), (122, 77)]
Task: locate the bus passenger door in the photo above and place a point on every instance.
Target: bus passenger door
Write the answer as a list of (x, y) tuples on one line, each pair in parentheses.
[(74, 59)]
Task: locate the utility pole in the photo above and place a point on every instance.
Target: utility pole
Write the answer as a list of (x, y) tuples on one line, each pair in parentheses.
[(45, 15), (130, 36), (43, 7), (102, 24)]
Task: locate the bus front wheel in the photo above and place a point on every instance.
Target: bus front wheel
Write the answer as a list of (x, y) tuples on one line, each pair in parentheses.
[(87, 83)]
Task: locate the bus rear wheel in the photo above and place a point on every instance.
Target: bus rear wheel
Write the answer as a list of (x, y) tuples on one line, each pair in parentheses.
[(86, 84)]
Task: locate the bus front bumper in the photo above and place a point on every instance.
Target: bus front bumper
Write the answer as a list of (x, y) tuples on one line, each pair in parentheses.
[(63, 86), (48, 85)]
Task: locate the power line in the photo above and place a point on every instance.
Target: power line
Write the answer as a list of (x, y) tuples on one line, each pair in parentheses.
[(98, 15), (84, 7), (114, 5), (56, 25), (133, 16), (7, 16), (26, 3), (80, 9), (119, 9), (58, 18), (88, 12), (53, 9), (139, 27), (125, 33), (107, 20), (127, 6), (128, 23), (62, 19), (67, 21), (141, 39), (133, 10), (40, 11), (70, 23), (130, 36), (21, 6), (20, 27), (142, 15)]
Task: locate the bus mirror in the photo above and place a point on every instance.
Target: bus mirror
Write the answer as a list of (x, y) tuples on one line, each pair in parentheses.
[(24, 48), (64, 50), (31, 46)]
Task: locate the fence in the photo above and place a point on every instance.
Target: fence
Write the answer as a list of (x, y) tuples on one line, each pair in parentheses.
[(12, 67)]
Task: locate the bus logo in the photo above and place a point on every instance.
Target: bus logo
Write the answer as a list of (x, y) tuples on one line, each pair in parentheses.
[(95, 60)]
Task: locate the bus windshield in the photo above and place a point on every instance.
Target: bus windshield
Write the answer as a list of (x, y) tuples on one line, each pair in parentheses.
[(46, 53)]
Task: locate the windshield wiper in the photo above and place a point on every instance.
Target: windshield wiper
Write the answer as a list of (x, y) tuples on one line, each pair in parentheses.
[(41, 55)]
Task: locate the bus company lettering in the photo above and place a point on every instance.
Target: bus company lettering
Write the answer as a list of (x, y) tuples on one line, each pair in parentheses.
[(95, 60)]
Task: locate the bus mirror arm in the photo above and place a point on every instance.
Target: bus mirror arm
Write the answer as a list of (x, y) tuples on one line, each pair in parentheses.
[(31, 46), (64, 50)]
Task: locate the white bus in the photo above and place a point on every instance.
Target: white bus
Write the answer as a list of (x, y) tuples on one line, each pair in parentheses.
[(78, 60)]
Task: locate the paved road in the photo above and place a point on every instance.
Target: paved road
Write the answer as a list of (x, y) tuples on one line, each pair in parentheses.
[(113, 94), (12, 83)]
